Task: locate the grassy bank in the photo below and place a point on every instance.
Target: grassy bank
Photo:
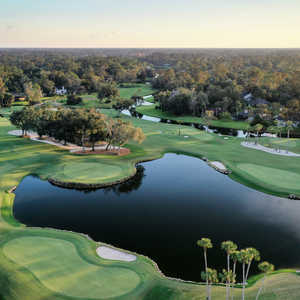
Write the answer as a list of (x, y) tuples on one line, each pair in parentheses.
[(42, 264), (151, 111)]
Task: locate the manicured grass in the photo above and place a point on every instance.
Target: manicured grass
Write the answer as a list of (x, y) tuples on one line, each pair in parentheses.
[(292, 145), (91, 101), (40, 264), (151, 111), (284, 179), (138, 89), (61, 260)]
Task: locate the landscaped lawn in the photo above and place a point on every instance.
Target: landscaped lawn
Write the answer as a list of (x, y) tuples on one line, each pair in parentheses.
[(151, 111), (53, 261), (127, 91), (44, 264)]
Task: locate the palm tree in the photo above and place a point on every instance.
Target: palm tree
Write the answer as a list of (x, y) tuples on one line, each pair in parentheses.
[(205, 243), (211, 276), (258, 128), (228, 278), (229, 247), (245, 258), (253, 255), (235, 257), (266, 268), (289, 127)]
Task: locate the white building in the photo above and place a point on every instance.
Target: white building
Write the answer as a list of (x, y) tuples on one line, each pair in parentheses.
[(61, 91)]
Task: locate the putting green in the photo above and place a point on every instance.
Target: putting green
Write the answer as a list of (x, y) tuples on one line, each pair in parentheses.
[(280, 178), (57, 264), (83, 170)]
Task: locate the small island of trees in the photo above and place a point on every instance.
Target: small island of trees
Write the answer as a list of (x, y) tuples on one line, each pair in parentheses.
[(77, 126)]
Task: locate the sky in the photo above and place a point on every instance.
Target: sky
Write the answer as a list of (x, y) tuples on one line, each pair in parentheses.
[(150, 23)]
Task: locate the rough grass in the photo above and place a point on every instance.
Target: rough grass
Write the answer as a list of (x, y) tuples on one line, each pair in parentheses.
[(151, 111), (21, 278)]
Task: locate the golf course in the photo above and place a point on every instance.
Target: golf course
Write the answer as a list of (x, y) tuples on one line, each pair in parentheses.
[(42, 264)]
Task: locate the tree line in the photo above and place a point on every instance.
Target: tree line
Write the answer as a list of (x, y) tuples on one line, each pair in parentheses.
[(78, 126)]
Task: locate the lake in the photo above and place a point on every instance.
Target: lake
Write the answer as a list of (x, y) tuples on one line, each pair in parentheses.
[(170, 204)]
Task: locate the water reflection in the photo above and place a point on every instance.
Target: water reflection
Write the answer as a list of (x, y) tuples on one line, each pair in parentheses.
[(165, 209)]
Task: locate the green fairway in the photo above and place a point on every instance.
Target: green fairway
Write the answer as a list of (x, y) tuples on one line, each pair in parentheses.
[(151, 111), (57, 264), (283, 179), (126, 91), (137, 89), (44, 264)]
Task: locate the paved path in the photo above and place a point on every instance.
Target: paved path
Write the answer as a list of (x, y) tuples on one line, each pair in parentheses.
[(269, 150)]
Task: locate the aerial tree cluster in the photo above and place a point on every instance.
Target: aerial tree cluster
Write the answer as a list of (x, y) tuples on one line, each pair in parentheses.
[(228, 276), (74, 70), (79, 126)]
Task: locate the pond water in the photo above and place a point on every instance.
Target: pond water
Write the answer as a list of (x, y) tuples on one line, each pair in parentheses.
[(170, 204), (219, 130)]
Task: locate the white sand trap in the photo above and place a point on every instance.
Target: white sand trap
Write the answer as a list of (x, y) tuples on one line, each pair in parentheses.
[(113, 254), (218, 165), (269, 150)]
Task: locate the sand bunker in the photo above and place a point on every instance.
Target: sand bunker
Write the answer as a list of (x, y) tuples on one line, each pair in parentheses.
[(218, 165), (113, 254)]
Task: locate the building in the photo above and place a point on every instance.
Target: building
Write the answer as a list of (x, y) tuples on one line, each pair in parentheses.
[(61, 91)]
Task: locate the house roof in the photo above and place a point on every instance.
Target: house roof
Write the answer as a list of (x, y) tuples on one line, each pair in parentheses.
[(258, 101)]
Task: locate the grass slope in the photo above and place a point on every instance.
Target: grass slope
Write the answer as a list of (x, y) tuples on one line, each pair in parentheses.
[(33, 260)]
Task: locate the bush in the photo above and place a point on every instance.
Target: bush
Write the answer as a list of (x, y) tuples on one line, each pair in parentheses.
[(226, 116), (74, 100)]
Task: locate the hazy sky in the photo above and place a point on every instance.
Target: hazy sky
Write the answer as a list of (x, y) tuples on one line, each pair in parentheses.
[(150, 23)]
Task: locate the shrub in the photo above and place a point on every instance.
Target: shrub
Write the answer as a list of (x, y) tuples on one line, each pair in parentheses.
[(74, 100)]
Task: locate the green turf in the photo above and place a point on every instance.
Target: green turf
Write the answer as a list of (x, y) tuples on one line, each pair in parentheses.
[(91, 101), (151, 111), (284, 179), (53, 261), (21, 279), (138, 89)]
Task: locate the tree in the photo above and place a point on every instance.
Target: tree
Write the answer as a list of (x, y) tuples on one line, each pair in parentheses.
[(123, 104), (98, 128), (107, 90), (258, 128), (3, 88), (266, 268), (6, 100), (205, 243), (228, 277), (246, 257), (120, 132), (33, 93), (211, 277), (289, 127), (23, 119), (200, 103), (229, 247), (235, 257), (73, 100)]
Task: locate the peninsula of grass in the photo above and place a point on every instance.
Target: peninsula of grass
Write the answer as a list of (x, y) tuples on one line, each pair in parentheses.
[(153, 112), (38, 264)]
